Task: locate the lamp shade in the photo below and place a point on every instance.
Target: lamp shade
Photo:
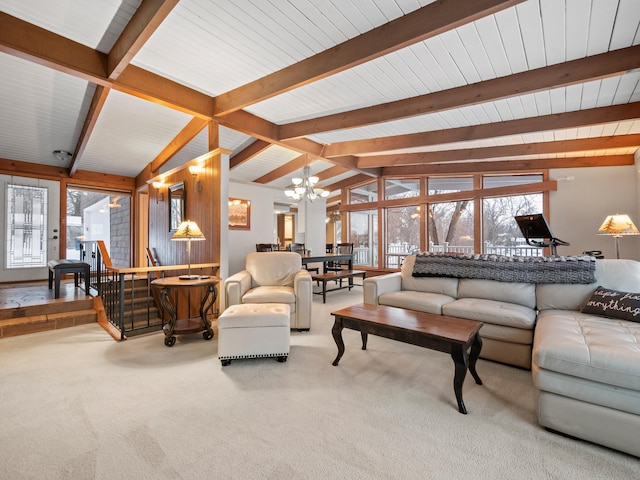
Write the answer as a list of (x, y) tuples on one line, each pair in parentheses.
[(188, 231), (618, 225)]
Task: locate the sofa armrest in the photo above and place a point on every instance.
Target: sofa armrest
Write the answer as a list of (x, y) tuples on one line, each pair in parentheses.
[(235, 287), (303, 290), (375, 286)]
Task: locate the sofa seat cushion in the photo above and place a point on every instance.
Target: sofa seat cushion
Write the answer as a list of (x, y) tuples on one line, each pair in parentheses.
[(420, 301), (624, 399), (507, 334), (492, 311), (589, 347), (271, 294)]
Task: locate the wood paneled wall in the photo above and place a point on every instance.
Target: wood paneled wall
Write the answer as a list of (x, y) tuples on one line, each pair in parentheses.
[(202, 207)]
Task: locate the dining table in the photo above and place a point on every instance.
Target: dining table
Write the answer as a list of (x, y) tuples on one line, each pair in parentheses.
[(325, 258)]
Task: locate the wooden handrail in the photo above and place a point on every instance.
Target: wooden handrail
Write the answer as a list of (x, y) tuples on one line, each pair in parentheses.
[(161, 268)]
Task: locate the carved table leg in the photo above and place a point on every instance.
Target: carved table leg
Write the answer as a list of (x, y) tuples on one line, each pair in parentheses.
[(167, 306), (336, 331), (476, 346), (364, 336), (461, 360), (205, 306)]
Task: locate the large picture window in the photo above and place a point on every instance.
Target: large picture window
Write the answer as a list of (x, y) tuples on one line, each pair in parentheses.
[(464, 214)]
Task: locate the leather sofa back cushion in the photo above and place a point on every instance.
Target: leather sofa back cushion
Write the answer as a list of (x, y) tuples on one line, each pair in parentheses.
[(441, 285), (273, 268), (518, 293), (614, 304), (610, 273)]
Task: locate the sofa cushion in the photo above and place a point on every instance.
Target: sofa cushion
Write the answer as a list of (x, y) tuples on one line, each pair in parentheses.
[(520, 293), (491, 311), (411, 300), (614, 304), (610, 273), (590, 347), (442, 285)]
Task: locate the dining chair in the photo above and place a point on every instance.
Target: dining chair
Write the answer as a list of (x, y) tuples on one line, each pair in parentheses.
[(264, 247)]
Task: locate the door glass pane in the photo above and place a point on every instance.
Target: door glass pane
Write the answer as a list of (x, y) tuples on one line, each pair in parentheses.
[(403, 234), (26, 226), (99, 215), (364, 236), (501, 233), (450, 226)]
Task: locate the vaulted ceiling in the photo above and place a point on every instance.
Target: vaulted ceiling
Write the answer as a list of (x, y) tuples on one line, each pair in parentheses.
[(353, 88)]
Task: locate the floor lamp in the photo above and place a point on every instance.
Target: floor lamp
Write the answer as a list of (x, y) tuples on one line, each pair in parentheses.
[(617, 226), (188, 231)]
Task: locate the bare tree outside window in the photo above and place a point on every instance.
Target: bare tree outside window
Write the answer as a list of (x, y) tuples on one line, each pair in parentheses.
[(450, 226)]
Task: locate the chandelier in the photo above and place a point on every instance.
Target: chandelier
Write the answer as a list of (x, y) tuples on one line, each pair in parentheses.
[(305, 187)]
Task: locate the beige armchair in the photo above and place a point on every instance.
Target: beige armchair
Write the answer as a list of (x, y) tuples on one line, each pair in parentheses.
[(274, 277)]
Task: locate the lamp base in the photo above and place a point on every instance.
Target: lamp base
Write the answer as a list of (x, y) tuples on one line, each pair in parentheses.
[(189, 277)]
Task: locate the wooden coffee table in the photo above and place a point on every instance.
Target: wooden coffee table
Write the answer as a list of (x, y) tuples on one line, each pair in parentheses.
[(455, 336)]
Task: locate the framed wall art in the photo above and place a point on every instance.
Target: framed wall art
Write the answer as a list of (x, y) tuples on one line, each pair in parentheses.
[(239, 214)]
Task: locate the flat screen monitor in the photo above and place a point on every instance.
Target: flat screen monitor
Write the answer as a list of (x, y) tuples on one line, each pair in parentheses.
[(534, 226)]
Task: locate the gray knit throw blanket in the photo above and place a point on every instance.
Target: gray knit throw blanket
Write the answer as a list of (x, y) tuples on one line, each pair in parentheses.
[(559, 269)]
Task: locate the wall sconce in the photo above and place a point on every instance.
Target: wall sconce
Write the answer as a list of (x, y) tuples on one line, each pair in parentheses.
[(159, 186), (195, 170)]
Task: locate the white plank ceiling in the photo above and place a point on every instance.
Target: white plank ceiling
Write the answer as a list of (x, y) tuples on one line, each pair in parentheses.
[(216, 46)]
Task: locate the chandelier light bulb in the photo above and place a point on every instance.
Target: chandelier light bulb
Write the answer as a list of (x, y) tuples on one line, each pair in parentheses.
[(296, 181), (313, 180)]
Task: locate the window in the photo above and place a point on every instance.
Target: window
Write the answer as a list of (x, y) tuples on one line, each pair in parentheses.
[(403, 234), (26, 226), (450, 226), (364, 236), (438, 185), (501, 234), (99, 215), (364, 193), (401, 188)]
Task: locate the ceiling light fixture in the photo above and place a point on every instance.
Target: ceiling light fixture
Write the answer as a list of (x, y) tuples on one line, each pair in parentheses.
[(62, 155), (305, 187)]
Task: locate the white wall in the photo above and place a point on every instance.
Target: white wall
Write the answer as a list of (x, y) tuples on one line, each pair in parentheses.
[(579, 207), (263, 224)]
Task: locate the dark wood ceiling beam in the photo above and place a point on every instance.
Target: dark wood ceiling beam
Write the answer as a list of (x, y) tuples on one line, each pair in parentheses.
[(509, 165), (29, 42), (144, 22), (564, 146), (581, 118), (286, 169), (188, 133), (426, 22), (249, 152), (586, 69), (97, 102), (348, 182), (331, 172), (40, 46)]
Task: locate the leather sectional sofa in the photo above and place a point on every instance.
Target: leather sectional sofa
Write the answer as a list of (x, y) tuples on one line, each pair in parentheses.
[(586, 366)]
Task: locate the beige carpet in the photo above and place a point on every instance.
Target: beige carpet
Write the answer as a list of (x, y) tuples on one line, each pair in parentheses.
[(77, 405)]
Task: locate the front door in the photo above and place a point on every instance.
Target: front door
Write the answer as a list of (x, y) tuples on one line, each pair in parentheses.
[(30, 212)]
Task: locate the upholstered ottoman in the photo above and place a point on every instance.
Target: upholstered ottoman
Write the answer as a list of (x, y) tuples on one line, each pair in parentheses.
[(253, 330)]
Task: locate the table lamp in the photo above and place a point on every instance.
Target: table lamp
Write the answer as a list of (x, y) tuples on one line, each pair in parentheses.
[(188, 231), (617, 226)]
